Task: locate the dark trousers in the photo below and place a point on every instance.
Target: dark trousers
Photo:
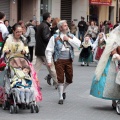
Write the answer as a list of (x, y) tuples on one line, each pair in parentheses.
[(64, 67), (94, 39), (81, 35), (31, 52)]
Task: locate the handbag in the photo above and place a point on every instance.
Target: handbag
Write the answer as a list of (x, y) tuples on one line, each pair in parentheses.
[(28, 37)]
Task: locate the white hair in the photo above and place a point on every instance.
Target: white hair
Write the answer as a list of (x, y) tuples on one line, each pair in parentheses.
[(60, 23)]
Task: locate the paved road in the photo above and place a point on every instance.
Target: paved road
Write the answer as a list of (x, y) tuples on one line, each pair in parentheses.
[(79, 105)]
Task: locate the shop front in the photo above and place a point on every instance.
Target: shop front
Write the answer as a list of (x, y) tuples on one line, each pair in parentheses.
[(101, 10), (5, 7)]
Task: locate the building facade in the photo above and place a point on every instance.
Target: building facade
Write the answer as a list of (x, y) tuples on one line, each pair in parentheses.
[(65, 9)]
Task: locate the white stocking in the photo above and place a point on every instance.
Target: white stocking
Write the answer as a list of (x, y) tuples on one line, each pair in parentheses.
[(65, 86), (60, 91)]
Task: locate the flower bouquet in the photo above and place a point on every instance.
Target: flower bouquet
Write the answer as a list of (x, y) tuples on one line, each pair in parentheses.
[(2, 64)]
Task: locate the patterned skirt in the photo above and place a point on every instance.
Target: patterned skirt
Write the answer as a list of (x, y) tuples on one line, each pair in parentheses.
[(106, 88), (84, 58)]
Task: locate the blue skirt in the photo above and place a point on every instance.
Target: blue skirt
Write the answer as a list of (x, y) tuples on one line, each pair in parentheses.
[(106, 88)]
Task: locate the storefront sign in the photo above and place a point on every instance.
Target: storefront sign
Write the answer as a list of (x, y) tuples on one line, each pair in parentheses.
[(101, 2)]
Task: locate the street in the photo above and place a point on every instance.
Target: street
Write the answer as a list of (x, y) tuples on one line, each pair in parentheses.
[(79, 105)]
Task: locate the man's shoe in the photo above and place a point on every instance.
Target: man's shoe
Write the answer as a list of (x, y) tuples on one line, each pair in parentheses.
[(64, 96), (49, 79), (60, 102)]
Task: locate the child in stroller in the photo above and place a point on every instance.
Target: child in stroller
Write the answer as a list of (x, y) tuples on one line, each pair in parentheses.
[(21, 89), (15, 47), (21, 84)]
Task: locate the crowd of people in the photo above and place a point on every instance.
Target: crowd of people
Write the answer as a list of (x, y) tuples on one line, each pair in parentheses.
[(93, 38), (46, 39), (54, 44), (101, 43)]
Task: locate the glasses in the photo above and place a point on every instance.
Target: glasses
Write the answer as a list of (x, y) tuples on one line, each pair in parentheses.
[(18, 32)]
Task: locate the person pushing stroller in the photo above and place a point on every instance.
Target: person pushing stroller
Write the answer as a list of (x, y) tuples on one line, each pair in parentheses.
[(20, 87)]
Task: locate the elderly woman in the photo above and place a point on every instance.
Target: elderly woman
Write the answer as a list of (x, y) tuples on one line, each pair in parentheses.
[(14, 46)]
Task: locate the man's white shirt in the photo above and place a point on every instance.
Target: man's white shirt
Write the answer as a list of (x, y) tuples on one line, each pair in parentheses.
[(75, 43)]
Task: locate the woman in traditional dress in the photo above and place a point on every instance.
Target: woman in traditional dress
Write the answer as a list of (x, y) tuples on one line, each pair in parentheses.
[(99, 45), (103, 85), (86, 53)]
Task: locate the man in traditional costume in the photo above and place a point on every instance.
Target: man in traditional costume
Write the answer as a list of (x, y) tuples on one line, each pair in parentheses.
[(61, 47)]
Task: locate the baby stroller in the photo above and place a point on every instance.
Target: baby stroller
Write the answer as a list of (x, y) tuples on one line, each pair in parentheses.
[(10, 97)]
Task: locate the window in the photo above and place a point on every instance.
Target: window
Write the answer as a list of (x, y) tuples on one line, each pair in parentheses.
[(45, 6)]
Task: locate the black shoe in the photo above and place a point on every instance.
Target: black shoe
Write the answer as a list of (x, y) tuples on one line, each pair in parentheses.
[(82, 64), (64, 96), (87, 64), (60, 102), (49, 80), (40, 88)]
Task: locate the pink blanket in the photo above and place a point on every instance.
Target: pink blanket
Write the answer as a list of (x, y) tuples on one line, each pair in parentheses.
[(36, 84)]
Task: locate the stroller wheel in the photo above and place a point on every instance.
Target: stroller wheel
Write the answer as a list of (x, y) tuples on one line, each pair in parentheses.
[(11, 109), (118, 108), (36, 109), (16, 109), (32, 108), (113, 107)]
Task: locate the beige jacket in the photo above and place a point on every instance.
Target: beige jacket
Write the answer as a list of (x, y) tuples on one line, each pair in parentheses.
[(14, 47)]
